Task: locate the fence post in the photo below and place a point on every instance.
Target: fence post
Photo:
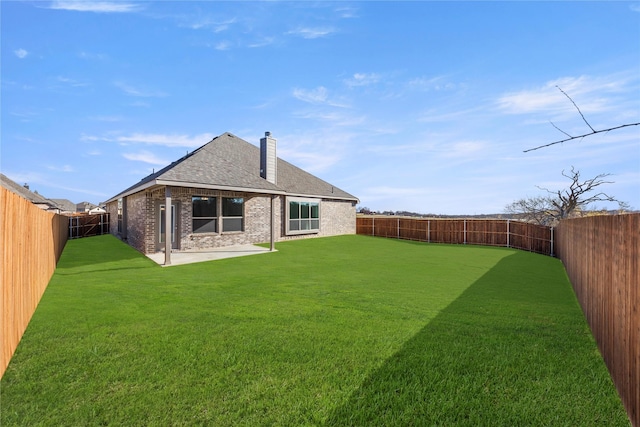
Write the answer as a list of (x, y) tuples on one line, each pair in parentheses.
[(465, 232), (508, 243), (552, 242), (398, 229), (428, 231), (373, 227)]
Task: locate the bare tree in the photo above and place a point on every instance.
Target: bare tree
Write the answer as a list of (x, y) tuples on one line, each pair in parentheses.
[(533, 209), (561, 204), (570, 137)]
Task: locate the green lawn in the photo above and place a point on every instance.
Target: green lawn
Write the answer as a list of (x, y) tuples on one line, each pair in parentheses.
[(349, 330)]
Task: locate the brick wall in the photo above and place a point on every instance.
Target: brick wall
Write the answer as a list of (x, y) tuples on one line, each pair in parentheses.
[(337, 217)]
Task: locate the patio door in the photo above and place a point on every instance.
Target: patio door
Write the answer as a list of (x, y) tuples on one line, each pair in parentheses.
[(175, 238)]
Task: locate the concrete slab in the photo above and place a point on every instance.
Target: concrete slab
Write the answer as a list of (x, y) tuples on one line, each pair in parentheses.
[(189, 257)]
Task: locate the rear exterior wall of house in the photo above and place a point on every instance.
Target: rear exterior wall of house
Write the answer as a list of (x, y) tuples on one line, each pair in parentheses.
[(138, 223)]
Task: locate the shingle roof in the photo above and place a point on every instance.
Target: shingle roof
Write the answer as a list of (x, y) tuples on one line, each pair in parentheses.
[(24, 192), (65, 205), (233, 163)]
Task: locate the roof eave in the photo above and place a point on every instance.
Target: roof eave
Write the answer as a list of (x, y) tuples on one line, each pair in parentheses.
[(164, 182)]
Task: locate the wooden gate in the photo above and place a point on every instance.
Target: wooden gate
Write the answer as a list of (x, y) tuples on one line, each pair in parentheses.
[(88, 225)]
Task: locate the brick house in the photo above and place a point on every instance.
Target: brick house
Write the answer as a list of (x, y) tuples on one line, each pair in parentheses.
[(229, 192)]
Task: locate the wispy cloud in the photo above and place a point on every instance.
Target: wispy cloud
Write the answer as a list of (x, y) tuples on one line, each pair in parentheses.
[(208, 23), (166, 140), (70, 82), (145, 157), (318, 96), (109, 119), (311, 33), (437, 83), (261, 42), (142, 93), (222, 45), (21, 53), (314, 96), (635, 7), (335, 118), (65, 168), (347, 12), (586, 91), (95, 6), (362, 79), (92, 56)]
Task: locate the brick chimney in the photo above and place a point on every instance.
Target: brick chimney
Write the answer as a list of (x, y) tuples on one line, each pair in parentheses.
[(268, 159)]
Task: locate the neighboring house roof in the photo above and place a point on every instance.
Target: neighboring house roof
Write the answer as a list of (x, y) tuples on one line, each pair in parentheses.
[(65, 205), (84, 207), (24, 192), (231, 163)]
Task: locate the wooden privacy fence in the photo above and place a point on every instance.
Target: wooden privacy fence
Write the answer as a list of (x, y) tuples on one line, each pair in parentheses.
[(32, 241), (88, 225), (602, 258), (489, 232)]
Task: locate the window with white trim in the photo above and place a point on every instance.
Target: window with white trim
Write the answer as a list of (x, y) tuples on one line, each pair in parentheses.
[(232, 214), (303, 215), (204, 214)]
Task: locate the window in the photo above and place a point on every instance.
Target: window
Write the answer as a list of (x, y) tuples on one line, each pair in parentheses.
[(204, 213), (120, 205), (304, 216), (232, 214)]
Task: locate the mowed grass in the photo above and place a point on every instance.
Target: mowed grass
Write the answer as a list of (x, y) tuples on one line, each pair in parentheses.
[(350, 330)]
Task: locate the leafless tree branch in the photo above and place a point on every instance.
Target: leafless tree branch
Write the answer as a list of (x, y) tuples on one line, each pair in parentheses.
[(574, 104), (571, 138)]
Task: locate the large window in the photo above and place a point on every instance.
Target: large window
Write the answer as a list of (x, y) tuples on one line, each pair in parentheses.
[(205, 216), (232, 214), (303, 215)]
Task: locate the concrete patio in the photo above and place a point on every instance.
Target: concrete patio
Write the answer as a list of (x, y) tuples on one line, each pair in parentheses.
[(189, 257)]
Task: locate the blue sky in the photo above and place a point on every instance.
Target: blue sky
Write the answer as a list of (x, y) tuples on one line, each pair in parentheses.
[(418, 106)]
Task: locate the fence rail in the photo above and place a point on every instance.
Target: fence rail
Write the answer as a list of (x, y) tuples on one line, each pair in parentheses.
[(602, 258), (508, 233), (32, 242), (88, 225)]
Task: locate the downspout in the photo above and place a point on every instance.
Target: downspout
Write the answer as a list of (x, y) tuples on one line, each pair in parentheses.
[(272, 246)]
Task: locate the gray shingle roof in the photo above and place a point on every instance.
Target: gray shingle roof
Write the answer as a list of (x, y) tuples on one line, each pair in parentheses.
[(24, 192), (231, 162)]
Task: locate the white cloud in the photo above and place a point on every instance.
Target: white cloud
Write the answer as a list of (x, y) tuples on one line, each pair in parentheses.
[(318, 96), (94, 6), (211, 24), (586, 91), (223, 45), (264, 41), (21, 53), (109, 119), (133, 91), (93, 56), (335, 118), (65, 168), (311, 33), (71, 82), (166, 140), (146, 157), (363, 79), (437, 83), (314, 96), (347, 12)]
